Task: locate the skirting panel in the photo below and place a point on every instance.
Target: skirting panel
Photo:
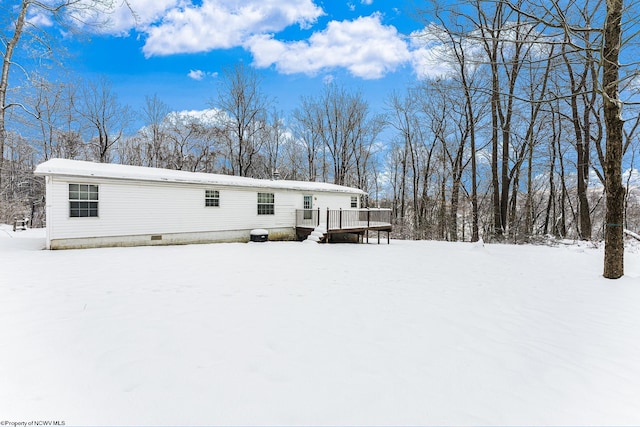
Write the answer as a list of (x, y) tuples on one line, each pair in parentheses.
[(288, 233)]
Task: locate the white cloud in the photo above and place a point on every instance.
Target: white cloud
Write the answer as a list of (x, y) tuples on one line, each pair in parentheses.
[(39, 19), (217, 24), (432, 57), (142, 13), (200, 75), (328, 79), (188, 26), (365, 47), (210, 116), (196, 74), (352, 6), (428, 55)]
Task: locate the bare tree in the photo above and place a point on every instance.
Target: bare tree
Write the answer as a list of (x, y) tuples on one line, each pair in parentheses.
[(583, 91), (276, 136), (463, 58), (614, 217), (366, 152), (9, 45), (404, 116), (243, 109), (154, 113), (24, 191), (21, 31), (105, 118), (340, 120), (576, 22), (307, 132), (48, 102), (340, 124), (190, 142)]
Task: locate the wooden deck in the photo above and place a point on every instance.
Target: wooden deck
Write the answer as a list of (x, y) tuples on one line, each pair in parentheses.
[(344, 221)]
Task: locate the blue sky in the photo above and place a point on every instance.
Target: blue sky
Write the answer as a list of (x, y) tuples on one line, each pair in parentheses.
[(177, 49)]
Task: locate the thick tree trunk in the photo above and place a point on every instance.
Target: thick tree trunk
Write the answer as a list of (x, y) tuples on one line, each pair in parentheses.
[(612, 106)]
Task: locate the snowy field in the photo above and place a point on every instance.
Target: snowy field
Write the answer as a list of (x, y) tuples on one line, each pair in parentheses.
[(306, 334)]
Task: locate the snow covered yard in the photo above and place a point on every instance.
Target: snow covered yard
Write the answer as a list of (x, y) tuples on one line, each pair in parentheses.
[(295, 333)]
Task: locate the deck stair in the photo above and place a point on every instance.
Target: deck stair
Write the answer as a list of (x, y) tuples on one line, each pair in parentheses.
[(319, 234), (343, 222)]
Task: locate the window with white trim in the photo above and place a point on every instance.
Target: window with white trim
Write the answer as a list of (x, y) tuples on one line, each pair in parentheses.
[(354, 202), (266, 204), (83, 200), (212, 198), (307, 202)]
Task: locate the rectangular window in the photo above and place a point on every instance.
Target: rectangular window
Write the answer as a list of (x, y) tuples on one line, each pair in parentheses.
[(212, 198), (307, 202), (354, 202), (83, 200), (266, 204)]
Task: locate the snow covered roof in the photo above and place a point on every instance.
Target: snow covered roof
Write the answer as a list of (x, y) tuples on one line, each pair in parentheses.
[(77, 168)]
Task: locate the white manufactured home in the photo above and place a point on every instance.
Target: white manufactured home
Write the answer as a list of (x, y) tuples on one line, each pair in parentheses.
[(96, 205)]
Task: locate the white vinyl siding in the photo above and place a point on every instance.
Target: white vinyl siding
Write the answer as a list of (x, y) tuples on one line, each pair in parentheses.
[(129, 207), (139, 204)]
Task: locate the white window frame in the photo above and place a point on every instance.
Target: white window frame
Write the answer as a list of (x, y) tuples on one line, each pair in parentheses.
[(307, 206), (212, 198), (354, 202), (84, 200), (266, 204)]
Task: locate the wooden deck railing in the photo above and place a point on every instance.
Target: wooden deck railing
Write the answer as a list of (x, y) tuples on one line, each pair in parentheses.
[(308, 218), (344, 219)]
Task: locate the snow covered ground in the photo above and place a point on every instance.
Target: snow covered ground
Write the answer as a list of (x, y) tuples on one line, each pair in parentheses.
[(297, 333)]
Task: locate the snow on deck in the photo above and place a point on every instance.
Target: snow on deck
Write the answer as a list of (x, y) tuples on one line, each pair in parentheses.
[(286, 333), (77, 168)]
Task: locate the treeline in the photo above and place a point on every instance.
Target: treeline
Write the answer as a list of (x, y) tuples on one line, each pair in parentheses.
[(506, 142), (332, 137)]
